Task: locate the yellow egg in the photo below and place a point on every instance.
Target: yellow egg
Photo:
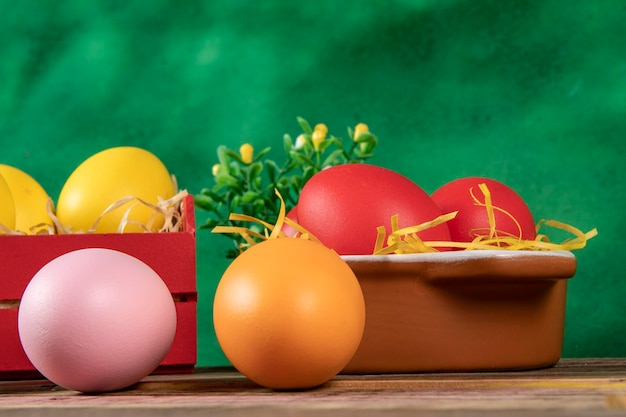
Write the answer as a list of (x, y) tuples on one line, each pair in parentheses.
[(108, 177), (7, 207), (30, 200)]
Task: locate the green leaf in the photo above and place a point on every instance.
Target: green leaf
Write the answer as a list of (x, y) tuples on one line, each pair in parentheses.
[(307, 172), (332, 158), (228, 180), (222, 155), (306, 127), (366, 137), (297, 183), (261, 154), (259, 204), (289, 166), (248, 197), (214, 195), (204, 202), (323, 145), (207, 191), (287, 143), (234, 204), (254, 170), (360, 156), (302, 158), (334, 140), (367, 142), (234, 169), (234, 155), (210, 224), (273, 170), (282, 182)]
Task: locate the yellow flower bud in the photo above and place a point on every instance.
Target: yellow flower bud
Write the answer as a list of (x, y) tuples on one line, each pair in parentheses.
[(360, 128), (319, 134), (215, 169), (246, 151)]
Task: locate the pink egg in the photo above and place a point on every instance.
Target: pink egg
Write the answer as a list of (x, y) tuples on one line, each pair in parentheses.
[(96, 320)]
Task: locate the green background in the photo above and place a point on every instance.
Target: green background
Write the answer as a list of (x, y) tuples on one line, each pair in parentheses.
[(529, 92)]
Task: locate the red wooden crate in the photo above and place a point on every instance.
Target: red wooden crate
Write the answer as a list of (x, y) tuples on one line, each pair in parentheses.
[(171, 255)]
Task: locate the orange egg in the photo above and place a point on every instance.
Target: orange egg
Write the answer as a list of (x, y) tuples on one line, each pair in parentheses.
[(289, 313)]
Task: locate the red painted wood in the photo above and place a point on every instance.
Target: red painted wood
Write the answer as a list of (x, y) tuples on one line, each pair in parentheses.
[(171, 255)]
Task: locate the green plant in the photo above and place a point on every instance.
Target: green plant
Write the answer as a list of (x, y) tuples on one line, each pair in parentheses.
[(246, 183)]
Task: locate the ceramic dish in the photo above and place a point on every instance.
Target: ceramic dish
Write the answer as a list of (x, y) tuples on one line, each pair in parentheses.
[(461, 311)]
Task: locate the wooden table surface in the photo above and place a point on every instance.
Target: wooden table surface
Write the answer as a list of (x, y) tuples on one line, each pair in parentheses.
[(574, 387)]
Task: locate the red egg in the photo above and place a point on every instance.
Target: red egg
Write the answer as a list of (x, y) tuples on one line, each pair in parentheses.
[(345, 204), (472, 219)]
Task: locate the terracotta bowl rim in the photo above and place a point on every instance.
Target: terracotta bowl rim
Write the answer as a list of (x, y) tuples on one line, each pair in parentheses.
[(459, 256)]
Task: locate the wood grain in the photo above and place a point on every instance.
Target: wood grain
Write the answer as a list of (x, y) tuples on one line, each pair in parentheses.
[(574, 387)]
